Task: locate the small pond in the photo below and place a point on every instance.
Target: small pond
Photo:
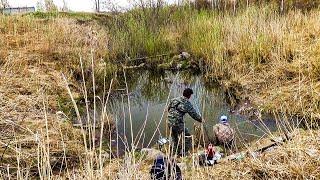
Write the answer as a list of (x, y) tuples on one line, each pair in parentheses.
[(148, 95)]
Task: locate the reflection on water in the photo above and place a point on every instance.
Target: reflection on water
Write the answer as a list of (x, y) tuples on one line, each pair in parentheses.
[(148, 94)]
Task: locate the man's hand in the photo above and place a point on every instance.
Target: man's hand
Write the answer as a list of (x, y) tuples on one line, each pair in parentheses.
[(203, 120)]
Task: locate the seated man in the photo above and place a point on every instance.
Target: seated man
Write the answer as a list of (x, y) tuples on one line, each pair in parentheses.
[(224, 134)]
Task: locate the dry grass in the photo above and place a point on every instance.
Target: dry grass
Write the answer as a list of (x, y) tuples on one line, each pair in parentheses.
[(268, 58), (296, 159), (33, 55), (258, 54), (284, 76)]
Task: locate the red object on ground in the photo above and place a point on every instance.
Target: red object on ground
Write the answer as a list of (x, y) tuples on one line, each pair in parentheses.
[(210, 151)]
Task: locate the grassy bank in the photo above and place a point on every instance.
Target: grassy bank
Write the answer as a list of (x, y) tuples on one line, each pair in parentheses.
[(256, 54), (36, 111)]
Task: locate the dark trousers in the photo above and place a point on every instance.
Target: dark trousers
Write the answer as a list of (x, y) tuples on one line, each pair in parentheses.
[(177, 133)]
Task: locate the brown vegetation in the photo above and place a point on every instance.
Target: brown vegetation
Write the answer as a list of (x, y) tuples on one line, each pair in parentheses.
[(34, 54), (257, 54)]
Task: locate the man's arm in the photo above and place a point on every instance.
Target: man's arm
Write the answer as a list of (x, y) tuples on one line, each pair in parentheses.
[(193, 113)]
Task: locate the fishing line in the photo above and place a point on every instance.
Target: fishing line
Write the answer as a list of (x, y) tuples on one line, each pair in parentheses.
[(168, 98), (198, 99)]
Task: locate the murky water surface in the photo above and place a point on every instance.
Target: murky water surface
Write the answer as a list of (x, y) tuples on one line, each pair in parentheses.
[(148, 95)]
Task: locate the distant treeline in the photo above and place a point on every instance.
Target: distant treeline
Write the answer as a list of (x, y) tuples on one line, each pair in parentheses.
[(283, 5)]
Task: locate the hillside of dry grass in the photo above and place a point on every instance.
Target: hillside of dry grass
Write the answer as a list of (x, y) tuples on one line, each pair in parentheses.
[(271, 58), (34, 53)]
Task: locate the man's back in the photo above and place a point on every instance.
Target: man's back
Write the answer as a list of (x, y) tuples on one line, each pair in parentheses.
[(178, 107), (224, 133)]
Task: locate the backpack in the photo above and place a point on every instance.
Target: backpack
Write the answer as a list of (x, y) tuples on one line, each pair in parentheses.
[(161, 170)]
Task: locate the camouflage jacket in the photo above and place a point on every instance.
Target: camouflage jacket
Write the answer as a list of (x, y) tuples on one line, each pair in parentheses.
[(177, 108)]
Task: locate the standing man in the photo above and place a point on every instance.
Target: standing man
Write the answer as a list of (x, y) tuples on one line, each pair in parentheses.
[(178, 107)]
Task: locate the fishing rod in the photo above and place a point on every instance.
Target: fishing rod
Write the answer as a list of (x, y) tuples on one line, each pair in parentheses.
[(167, 102), (197, 107)]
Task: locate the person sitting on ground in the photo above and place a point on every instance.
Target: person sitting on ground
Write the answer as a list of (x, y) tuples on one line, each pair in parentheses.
[(177, 108), (224, 134), (207, 158), (165, 169)]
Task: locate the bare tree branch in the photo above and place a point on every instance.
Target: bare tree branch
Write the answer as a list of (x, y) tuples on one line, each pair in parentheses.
[(65, 6), (97, 5), (50, 6), (4, 4)]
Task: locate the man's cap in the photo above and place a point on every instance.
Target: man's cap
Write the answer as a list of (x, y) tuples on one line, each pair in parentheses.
[(223, 119)]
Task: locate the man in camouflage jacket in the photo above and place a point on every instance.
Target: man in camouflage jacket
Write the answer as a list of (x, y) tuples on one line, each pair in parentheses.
[(178, 107)]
